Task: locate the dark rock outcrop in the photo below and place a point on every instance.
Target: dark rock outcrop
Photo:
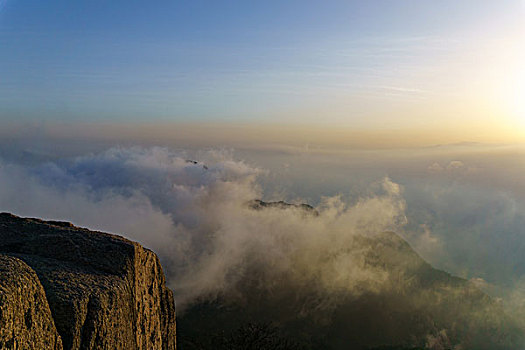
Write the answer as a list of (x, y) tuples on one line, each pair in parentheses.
[(258, 204), (102, 291)]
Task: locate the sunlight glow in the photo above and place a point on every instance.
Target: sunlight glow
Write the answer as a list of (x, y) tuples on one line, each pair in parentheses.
[(513, 94), (509, 81), (517, 96)]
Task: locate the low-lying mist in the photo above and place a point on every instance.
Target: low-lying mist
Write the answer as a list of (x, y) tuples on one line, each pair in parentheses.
[(196, 216)]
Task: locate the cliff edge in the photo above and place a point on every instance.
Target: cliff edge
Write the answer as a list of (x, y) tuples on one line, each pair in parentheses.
[(64, 287)]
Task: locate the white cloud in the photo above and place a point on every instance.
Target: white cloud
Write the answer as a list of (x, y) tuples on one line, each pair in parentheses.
[(454, 165), (196, 218)]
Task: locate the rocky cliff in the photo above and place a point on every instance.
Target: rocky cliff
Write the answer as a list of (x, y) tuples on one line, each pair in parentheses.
[(64, 287)]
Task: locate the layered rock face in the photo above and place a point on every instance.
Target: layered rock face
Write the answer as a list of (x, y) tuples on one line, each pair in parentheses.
[(101, 291), (25, 318)]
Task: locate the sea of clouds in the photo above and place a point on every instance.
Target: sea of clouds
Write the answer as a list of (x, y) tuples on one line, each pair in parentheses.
[(461, 208), (195, 215)]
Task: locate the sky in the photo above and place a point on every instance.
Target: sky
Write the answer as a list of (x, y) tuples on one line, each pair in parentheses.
[(374, 65)]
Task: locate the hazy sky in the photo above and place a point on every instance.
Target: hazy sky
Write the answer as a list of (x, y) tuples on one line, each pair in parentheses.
[(389, 64)]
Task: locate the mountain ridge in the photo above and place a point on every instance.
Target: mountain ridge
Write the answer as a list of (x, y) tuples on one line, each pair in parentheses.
[(415, 306)]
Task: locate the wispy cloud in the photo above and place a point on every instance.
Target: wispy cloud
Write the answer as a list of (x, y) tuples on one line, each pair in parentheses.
[(402, 89)]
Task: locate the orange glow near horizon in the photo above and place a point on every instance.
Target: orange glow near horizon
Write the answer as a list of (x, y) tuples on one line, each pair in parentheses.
[(311, 136)]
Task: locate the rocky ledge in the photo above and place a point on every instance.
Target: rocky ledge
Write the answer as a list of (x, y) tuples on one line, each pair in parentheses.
[(64, 287)]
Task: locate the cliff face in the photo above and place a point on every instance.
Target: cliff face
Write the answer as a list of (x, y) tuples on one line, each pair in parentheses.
[(25, 318), (101, 291)]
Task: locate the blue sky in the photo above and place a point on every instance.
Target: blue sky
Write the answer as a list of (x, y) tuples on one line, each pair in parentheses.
[(294, 61)]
